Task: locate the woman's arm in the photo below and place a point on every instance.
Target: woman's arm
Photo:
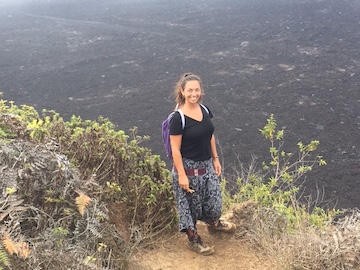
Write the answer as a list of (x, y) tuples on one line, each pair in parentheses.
[(215, 156), (175, 141)]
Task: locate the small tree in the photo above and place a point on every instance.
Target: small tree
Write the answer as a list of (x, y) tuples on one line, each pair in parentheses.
[(275, 185)]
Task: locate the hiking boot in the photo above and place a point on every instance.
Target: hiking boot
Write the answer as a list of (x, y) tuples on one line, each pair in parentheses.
[(196, 244), (222, 226)]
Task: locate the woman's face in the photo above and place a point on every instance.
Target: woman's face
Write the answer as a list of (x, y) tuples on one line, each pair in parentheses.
[(192, 92)]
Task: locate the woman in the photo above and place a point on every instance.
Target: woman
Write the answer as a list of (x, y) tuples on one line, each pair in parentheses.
[(196, 165)]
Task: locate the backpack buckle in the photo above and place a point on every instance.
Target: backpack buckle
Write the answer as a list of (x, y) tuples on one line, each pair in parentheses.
[(196, 172)]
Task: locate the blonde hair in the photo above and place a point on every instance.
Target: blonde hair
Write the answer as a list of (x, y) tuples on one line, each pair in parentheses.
[(180, 85)]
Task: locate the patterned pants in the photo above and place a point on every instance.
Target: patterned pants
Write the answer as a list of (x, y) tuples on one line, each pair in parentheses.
[(205, 203)]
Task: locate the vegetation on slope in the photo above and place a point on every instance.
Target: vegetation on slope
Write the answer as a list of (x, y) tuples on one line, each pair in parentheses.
[(64, 182), (81, 195)]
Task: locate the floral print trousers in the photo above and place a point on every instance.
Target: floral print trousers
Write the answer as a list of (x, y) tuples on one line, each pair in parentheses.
[(205, 203)]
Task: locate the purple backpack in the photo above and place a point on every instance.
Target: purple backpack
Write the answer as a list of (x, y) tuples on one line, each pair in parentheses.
[(166, 129), (166, 132)]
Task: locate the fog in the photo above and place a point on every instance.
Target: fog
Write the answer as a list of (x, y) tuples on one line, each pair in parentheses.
[(8, 3)]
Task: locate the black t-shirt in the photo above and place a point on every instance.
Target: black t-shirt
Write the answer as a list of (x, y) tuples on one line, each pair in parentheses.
[(196, 135)]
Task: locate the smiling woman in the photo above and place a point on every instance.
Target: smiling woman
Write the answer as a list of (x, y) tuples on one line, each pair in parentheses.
[(196, 166), (192, 83)]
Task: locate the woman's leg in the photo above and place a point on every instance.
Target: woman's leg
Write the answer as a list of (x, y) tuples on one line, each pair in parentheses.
[(196, 244), (212, 198), (187, 216), (189, 207), (212, 206)]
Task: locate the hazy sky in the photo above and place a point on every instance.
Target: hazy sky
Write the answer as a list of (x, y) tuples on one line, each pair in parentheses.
[(20, 2), (17, 2)]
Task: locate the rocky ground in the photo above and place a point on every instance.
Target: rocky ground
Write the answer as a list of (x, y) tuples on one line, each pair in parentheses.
[(296, 59)]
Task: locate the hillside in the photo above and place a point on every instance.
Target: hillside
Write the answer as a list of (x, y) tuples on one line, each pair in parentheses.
[(82, 195), (297, 59)]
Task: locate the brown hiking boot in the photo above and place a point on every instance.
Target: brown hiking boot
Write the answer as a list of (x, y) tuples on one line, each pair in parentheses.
[(222, 226), (197, 245)]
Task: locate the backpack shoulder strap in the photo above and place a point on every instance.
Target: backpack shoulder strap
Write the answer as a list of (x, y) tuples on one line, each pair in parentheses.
[(182, 118), (205, 108)]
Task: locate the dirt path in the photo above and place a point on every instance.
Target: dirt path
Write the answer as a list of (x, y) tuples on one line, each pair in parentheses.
[(229, 254)]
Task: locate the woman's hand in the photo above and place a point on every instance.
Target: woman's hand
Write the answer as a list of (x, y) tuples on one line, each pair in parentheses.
[(215, 156), (217, 166), (184, 183)]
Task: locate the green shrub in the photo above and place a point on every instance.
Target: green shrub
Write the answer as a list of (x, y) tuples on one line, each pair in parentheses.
[(50, 160), (275, 184)]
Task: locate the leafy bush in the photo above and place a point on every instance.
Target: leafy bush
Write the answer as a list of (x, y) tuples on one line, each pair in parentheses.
[(70, 178), (275, 184)]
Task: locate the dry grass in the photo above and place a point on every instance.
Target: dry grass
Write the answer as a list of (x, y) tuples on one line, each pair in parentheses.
[(335, 247)]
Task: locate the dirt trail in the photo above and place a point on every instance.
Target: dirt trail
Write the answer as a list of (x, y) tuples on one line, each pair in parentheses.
[(230, 253)]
